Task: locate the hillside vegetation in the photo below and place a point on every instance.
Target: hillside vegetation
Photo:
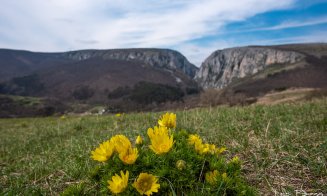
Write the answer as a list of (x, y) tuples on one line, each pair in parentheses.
[(282, 147)]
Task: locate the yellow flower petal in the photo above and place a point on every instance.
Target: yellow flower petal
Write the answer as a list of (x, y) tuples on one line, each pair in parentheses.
[(129, 156)]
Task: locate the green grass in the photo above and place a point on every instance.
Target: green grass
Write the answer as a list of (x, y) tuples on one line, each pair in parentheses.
[(283, 147)]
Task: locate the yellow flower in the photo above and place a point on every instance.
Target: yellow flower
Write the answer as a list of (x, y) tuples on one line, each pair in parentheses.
[(180, 164), (220, 150), (235, 159), (202, 148), (129, 156), (103, 152), (118, 184), (212, 148), (118, 115), (161, 142), (168, 120), (146, 184), (211, 177), (193, 139), (121, 143), (139, 140)]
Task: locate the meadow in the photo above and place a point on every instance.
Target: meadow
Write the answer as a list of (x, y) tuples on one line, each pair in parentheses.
[(283, 147)]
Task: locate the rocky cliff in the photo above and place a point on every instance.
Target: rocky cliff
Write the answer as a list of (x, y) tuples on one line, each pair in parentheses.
[(161, 58), (16, 63), (222, 66)]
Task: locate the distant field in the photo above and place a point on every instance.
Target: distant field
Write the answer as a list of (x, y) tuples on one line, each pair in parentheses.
[(283, 147)]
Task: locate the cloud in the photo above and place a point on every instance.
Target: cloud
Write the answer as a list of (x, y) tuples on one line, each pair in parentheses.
[(294, 24), (316, 36), (59, 25)]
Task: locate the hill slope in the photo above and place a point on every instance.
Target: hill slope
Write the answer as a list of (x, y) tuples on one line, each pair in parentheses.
[(59, 75)]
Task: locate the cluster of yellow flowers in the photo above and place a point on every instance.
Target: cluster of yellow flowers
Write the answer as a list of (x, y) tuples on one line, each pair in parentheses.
[(202, 148), (161, 142), (211, 177), (119, 144)]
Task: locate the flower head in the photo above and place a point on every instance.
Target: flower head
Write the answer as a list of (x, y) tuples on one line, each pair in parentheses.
[(121, 143), (103, 152), (193, 139), (220, 150), (211, 177), (139, 140), (129, 156), (146, 184), (118, 115), (235, 159), (168, 120), (199, 146), (161, 141), (118, 184)]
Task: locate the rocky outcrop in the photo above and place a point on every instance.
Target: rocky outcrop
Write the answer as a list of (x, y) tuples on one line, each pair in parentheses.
[(222, 66), (161, 58)]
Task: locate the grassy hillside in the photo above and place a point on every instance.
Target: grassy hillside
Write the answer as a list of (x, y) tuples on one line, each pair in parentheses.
[(283, 147)]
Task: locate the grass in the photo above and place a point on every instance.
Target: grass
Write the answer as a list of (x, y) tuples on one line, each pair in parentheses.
[(283, 147)]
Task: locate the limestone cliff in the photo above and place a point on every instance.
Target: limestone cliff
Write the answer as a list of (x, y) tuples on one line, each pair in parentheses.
[(222, 66), (161, 58)]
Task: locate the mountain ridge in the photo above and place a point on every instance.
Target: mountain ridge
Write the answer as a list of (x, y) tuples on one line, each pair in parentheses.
[(129, 79), (23, 60)]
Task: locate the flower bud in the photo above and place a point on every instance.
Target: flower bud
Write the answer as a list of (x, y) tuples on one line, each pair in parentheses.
[(139, 140), (180, 164)]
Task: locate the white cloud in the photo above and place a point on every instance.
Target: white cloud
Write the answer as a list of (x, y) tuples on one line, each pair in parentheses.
[(316, 36), (59, 25), (294, 24)]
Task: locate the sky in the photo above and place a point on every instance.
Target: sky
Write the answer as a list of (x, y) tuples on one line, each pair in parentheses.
[(195, 28)]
